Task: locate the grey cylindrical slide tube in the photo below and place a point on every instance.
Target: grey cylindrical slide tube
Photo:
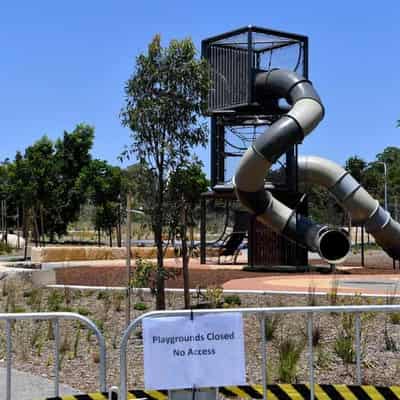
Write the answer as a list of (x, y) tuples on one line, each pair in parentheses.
[(305, 114), (363, 208)]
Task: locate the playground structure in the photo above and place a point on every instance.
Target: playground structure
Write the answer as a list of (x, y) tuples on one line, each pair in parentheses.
[(248, 89), (237, 119)]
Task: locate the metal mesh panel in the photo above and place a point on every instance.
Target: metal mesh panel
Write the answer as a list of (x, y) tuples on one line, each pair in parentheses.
[(237, 140), (289, 57), (264, 42), (235, 57), (234, 41), (229, 72)]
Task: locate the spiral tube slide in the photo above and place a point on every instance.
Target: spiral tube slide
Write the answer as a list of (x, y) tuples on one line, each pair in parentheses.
[(305, 113), (362, 208)]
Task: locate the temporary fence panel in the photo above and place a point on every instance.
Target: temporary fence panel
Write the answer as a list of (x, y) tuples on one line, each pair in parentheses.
[(275, 392), (55, 317), (284, 391)]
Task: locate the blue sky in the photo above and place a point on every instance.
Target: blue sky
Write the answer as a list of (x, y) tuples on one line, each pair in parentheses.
[(63, 63)]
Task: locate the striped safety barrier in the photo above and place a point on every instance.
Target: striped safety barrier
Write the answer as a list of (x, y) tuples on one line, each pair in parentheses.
[(275, 392)]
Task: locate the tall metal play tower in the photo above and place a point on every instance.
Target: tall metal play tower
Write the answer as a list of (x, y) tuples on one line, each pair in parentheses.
[(239, 114)]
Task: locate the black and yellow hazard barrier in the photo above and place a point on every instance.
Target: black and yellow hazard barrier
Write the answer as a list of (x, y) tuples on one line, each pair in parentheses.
[(275, 392)]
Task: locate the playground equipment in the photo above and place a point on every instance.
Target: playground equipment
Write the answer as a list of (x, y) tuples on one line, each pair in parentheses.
[(232, 242), (362, 207), (305, 113), (237, 118), (255, 87)]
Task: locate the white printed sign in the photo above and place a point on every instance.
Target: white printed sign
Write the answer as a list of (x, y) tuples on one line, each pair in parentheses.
[(207, 351)]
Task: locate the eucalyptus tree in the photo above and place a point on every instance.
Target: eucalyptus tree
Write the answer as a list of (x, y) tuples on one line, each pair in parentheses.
[(102, 184), (165, 98), (185, 186), (356, 166), (72, 155), (42, 176)]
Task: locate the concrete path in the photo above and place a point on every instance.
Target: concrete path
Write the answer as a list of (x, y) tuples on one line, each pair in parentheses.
[(6, 270), (25, 386)]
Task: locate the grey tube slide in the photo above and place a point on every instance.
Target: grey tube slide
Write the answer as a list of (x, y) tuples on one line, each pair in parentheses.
[(362, 208), (304, 115)]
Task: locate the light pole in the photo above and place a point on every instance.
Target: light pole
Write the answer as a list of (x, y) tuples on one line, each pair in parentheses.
[(128, 256)]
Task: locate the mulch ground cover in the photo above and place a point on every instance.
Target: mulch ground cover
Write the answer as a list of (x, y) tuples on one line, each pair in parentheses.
[(333, 336), (334, 340), (376, 262)]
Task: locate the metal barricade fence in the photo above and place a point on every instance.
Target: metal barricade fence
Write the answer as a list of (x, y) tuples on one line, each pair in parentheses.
[(262, 313), (55, 317)]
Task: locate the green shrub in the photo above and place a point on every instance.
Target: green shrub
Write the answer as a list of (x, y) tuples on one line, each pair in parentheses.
[(344, 342), (88, 293), (344, 348), (55, 300), (67, 309), (103, 295), (77, 294), (143, 274), (100, 325), (140, 306), (289, 352), (34, 298), (117, 299), (232, 300), (214, 296), (391, 299), (390, 344), (19, 309), (271, 325), (395, 318), (83, 311)]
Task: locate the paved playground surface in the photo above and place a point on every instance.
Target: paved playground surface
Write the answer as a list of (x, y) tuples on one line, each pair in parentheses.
[(302, 283), (376, 278)]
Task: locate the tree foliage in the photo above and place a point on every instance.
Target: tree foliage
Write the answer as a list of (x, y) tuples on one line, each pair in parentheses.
[(356, 166), (44, 186), (185, 186), (103, 185), (165, 98), (72, 155)]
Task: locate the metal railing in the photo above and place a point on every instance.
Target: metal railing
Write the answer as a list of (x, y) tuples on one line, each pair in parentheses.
[(55, 317), (262, 313)]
